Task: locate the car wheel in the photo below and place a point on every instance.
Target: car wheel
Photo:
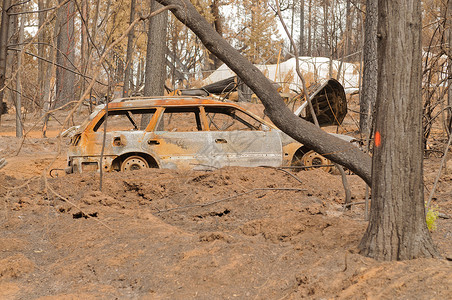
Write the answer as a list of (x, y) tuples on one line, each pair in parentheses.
[(134, 163), (312, 158)]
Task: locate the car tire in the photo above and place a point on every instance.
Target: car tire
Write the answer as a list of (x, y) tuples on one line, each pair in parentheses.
[(133, 163), (312, 158)]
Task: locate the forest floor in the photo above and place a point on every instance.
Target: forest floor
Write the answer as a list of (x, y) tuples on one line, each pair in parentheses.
[(260, 233)]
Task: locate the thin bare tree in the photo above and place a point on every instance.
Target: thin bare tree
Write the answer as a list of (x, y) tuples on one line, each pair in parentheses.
[(129, 54)]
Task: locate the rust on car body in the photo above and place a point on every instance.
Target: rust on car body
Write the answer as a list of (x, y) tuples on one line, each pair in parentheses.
[(177, 133)]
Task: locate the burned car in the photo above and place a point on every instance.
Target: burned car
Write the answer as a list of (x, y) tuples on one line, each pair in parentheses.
[(181, 133)]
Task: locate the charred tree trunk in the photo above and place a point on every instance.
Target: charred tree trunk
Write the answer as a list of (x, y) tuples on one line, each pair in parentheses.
[(65, 55), (11, 57), (3, 51), (155, 72), (129, 54), (397, 229), (307, 133), (368, 92), (302, 42), (41, 52)]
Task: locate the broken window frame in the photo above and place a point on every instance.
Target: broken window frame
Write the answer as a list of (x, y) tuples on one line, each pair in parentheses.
[(128, 113)]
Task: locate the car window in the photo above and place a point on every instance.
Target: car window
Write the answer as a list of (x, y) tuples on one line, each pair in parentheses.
[(228, 118), (180, 120), (123, 120)]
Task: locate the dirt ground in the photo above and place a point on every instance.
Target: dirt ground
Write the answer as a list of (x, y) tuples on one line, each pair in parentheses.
[(234, 233)]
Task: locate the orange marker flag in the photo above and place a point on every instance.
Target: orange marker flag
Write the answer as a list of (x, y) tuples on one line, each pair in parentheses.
[(377, 139)]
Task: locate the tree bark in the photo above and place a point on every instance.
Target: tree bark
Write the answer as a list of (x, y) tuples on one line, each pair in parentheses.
[(11, 57), (348, 28), (302, 42), (19, 127), (129, 54), (50, 75), (66, 53), (3, 50), (84, 11), (368, 92), (307, 133), (326, 46), (155, 72), (41, 51), (397, 228)]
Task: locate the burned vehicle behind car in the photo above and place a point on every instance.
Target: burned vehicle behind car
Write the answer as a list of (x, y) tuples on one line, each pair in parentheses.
[(181, 133)]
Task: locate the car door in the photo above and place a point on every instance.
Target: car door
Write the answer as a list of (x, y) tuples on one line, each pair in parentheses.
[(179, 140), (239, 139)]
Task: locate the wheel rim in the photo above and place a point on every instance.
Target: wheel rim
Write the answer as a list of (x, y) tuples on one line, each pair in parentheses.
[(312, 158), (133, 163)]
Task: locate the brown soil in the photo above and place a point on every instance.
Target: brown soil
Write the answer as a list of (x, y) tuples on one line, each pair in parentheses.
[(239, 233)]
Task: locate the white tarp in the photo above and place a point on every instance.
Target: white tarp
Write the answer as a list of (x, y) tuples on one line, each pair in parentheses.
[(313, 69)]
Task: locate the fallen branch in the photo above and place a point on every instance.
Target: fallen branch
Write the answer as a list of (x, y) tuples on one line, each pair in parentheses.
[(291, 174), (352, 203), (287, 172)]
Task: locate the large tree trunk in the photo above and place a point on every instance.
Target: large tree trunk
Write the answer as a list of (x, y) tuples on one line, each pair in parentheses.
[(154, 84), (11, 57), (397, 229), (129, 54), (307, 133), (65, 56), (155, 72), (368, 92), (3, 51), (42, 66)]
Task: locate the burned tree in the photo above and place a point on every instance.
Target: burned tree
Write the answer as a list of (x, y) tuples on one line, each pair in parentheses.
[(397, 229), (3, 52)]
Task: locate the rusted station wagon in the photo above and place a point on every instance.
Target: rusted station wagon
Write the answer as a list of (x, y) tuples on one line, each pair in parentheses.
[(181, 132)]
